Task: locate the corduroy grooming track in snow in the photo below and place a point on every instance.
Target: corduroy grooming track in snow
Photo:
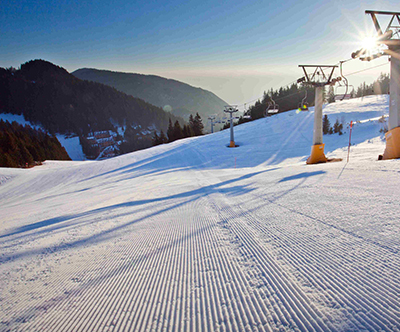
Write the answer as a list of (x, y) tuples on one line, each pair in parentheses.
[(195, 236)]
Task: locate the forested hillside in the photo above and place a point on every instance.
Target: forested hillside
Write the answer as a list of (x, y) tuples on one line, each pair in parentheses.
[(180, 98), (286, 99), (22, 146), (48, 95)]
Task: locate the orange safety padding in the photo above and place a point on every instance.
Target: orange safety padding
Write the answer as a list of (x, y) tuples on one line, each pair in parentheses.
[(392, 150), (317, 154)]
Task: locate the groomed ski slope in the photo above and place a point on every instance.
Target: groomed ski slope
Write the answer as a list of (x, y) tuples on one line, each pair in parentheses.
[(194, 236)]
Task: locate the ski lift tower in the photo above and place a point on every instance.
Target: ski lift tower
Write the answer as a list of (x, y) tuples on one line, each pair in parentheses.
[(318, 76), (231, 109), (388, 43), (212, 118)]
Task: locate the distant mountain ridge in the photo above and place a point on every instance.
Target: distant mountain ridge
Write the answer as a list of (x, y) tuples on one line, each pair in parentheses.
[(183, 98), (47, 95)]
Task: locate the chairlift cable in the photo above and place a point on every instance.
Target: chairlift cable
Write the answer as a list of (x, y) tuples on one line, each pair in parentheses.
[(283, 86), (339, 63), (356, 72), (346, 82), (343, 61)]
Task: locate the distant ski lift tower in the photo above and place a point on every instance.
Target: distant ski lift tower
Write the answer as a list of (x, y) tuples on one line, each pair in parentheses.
[(212, 118), (388, 43), (319, 76), (231, 109)]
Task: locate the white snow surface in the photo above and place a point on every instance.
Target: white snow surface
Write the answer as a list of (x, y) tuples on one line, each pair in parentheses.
[(195, 236)]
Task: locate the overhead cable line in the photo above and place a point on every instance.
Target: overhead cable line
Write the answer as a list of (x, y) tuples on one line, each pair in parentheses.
[(344, 61), (284, 86), (288, 84), (356, 72)]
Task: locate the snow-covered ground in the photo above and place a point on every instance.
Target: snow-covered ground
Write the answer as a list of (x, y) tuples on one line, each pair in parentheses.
[(195, 236)]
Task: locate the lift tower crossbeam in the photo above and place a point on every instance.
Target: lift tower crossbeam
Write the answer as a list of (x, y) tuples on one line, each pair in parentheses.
[(390, 26), (319, 70), (319, 76)]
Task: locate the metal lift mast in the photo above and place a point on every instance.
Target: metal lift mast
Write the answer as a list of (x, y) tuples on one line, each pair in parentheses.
[(212, 118), (390, 39), (231, 109), (319, 76)]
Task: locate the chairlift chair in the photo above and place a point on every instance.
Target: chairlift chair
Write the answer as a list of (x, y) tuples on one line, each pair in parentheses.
[(273, 107), (343, 88), (341, 92), (246, 115), (303, 105)]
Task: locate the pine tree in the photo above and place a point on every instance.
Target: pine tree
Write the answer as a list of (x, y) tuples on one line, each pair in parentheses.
[(178, 134), (170, 131), (326, 125), (187, 131), (155, 139), (163, 138), (337, 127), (331, 94), (197, 125), (191, 122)]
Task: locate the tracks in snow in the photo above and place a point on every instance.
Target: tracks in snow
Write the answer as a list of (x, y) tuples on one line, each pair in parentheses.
[(202, 262)]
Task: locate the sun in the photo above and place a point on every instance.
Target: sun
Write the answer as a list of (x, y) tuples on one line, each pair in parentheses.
[(369, 43)]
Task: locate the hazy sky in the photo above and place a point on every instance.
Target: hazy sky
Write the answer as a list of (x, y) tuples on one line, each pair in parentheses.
[(236, 49)]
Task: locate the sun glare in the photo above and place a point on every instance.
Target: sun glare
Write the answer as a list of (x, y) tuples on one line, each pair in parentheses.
[(369, 43)]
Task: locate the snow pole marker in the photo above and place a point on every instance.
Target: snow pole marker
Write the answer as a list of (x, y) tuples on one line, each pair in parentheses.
[(348, 151)]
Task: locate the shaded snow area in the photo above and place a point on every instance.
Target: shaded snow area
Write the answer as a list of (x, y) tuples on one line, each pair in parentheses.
[(17, 118), (72, 146), (195, 236)]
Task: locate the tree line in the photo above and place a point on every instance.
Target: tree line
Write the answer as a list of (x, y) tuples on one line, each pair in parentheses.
[(175, 131), (23, 146), (287, 98)]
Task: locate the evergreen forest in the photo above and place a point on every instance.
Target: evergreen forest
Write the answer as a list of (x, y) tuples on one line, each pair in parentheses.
[(195, 127), (23, 146)]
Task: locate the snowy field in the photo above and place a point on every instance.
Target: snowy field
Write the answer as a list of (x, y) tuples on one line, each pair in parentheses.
[(194, 236)]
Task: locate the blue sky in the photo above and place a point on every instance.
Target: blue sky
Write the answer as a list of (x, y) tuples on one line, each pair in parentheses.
[(236, 49)]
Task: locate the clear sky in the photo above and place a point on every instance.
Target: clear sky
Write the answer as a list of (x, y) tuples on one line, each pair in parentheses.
[(236, 49)]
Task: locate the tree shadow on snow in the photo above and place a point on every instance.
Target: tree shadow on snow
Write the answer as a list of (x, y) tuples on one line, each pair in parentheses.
[(301, 176), (64, 221)]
